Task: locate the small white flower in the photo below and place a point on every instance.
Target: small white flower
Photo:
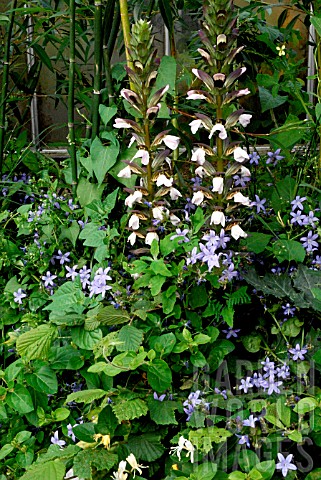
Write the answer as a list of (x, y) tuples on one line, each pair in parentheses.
[(163, 180), (198, 156), (144, 155), (131, 141), (135, 466), (245, 172), (218, 128), (240, 198), (218, 184), (134, 197), (183, 444), (120, 474), (132, 238), (200, 172), (245, 119), (195, 96), (218, 218), (174, 220), (174, 193), (171, 141), (125, 172), (240, 155), (159, 213), (195, 125), (150, 237), (237, 232), (134, 222), (198, 198), (121, 123)]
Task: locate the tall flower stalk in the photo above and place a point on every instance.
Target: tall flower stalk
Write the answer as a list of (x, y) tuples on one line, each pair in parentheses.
[(71, 96), (5, 80), (97, 68)]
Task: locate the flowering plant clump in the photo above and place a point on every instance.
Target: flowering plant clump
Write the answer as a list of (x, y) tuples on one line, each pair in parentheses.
[(167, 329)]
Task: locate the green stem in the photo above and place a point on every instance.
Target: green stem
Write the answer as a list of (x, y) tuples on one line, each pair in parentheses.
[(149, 166), (71, 97), (219, 141), (5, 80), (126, 32), (97, 68), (150, 9), (107, 30), (318, 59), (114, 31)]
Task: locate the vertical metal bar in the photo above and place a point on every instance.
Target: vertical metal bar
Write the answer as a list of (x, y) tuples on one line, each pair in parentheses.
[(311, 61)]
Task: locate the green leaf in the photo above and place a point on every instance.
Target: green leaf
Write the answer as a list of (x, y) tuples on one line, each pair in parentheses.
[(159, 268), (198, 219), (20, 400), (204, 437), (131, 338), (55, 452), (265, 469), (98, 458), (70, 233), (6, 450), (256, 242), (247, 460), (65, 358), (69, 297), (288, 250), (107, 113), (130, 409), (198, 296), (252, 343), (305, 405), (86, 396), (85, 432), (84, 339), (283, 411), (103, 158), (295, 436), (162, 413), (53, 470), (315, 474), (146, 447), (283, 194), (205, 471), (60, 414), (166, 13), (269, 101), (43, 380), (43, 56), (159, 375), (36, 342), (93, 236), (169, 299), (87, 192), (316, 22), (112, 316), (166, 75)]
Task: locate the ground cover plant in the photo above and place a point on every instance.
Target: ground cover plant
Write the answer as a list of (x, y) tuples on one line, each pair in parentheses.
[(160, 297)]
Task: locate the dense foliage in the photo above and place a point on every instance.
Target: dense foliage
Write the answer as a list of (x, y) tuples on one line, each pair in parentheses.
[(160, 318)]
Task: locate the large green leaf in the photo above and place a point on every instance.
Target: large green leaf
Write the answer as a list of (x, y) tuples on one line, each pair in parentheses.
[(68, 298), (87, 192), (36, 342), (43, 379), (162, 413), (288, 250), (103, 158), (131, 338), (256, 242), (269, 101), (55, 452), (130, 409), (146, 447), (247, 460), (107, 113), (65, 358), (86, 396), (93, 236), (20, 400), (99, 459), (84, 339), (204, 437), (159, 375), (53, 470), (112, 316)]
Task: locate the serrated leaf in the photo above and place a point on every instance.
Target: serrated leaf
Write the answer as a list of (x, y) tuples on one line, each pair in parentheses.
[(93, 236), (98, 458), (55, 452), (112, 316), (130, 409), (86, 396), (162, 413), (85, 339), (131, 338), (69, 298), (146, 447), (204, 437), (43, 380), (37, 342), (53, 470), (65, 358)]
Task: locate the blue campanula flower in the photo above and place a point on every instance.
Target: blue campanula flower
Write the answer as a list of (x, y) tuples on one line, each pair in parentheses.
[(55, 440), (285, 464), (243, 439), (297, 217), (288, 310), (297, 202), (231, 332), (250, 422), (259, 204), (48, 279), (62, 257), (309, 242), (254, 158), (274, 157), (19, 295), (245, 384), (297, 352), (72, 272)]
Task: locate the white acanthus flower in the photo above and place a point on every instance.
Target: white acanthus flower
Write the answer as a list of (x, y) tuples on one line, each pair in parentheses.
[(159, 213), (200, 172), (171, 141), (125, 172), (134, 222), (195, 125), (240, 155), (134, 197), (174, 193), (150, 237), (245, 119), (198, 198), (135, 466), (163, 180), (198, 156), (174, 220), (240, 198), (237, 232), (218, 184), (218, 218), (144, 155), (191, 95), (245, 172), (132, 238), (131, 141), (183, 444), (121, 123), (218, 128)]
